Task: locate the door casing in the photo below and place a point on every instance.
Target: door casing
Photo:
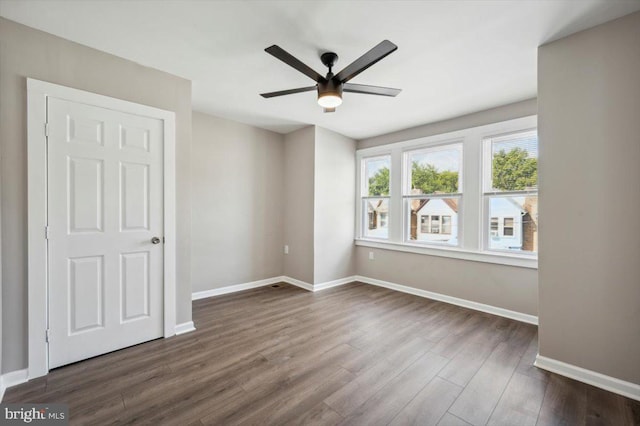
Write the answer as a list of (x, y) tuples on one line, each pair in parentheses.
[(37, 94)]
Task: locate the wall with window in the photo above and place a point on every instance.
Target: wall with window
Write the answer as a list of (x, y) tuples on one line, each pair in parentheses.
[(238, 202), (440, 200), (589, 126)]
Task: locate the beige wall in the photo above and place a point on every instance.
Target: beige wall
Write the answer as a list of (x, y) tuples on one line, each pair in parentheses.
[(506, 287), (255, 191), (25, 52), (489, 116), (238, 203), (589, 127), (299, 155), (334, 198)]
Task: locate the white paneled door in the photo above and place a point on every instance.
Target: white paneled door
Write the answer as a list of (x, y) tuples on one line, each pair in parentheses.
[(105, 225)]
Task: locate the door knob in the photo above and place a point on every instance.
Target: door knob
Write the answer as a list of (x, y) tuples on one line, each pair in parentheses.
[(155, 240)]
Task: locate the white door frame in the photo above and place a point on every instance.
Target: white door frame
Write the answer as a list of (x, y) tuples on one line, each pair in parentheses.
[(37, 94)]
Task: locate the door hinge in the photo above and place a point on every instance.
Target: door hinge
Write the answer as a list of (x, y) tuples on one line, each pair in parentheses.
[(47, 232), (46, 129), (47, 336)]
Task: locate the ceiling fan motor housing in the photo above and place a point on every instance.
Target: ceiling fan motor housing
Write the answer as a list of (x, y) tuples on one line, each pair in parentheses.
[(330, 87)]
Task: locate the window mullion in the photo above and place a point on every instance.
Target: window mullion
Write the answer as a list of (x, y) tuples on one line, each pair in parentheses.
[(396, 213), (472, 204)]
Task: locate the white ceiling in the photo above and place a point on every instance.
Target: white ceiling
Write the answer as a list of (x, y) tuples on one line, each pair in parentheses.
[(454, 57)]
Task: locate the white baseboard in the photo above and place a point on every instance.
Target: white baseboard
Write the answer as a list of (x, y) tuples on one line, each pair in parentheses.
[(234, 288), (319, 286), (297, 283), (334, 283), (518, 316), (269, 281), (185, 327), (611, 384), (12, 378)]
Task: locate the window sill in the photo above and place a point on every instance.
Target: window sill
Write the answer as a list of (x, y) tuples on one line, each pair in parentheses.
[(530, 262)]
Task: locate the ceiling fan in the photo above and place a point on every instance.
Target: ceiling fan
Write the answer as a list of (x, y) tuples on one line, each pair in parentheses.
[(330, 88)]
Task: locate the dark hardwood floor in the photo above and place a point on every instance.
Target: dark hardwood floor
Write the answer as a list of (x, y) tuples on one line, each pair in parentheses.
[(351, 355)]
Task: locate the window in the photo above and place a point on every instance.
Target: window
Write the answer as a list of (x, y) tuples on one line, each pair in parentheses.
[(383, 219), (446, 224), (432, 192), (469, 194), (424, 224), (495, 226), (507, 229), (432, 224), (511, 192), (435, 225), (375, 199)]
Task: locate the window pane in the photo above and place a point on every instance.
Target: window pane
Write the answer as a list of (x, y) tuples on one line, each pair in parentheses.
[(514, 162), (435, 224), (494, 226), (377, 217), (508, 226), (516, 227), (433, 220), (446, 224), (424, 224), (435, 170), (376, 172)]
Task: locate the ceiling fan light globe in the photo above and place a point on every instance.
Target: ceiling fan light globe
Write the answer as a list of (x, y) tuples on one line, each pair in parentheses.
[(329, 100)]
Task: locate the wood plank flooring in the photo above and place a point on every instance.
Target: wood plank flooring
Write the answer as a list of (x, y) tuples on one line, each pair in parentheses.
[(351, 355)]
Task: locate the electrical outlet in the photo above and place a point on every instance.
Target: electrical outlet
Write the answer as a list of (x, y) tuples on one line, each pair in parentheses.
[(286, 249), (371, 257)]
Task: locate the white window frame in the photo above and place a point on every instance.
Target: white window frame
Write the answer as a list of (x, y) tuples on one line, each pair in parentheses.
[(406, 185), (488, 193), (472, 229), (362, 185)]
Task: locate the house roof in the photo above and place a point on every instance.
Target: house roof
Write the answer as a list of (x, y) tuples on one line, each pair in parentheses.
[(418, 204)]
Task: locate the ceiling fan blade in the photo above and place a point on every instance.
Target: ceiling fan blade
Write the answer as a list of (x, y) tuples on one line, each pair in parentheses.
[(329, 109), (287, 92), (294, 62), (370, 90), (365, 61)]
